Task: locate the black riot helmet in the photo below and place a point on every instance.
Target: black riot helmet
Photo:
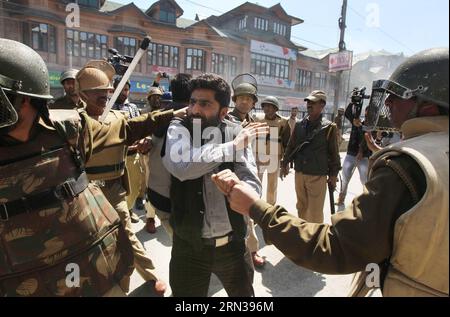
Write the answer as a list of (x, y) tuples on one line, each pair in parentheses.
[(423, 76), (22, 73)]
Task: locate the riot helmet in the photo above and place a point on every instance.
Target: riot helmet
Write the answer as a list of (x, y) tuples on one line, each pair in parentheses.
[(95, 75), (23, 73), (423, 76), (271, 100), (245, 84), (68, 74)]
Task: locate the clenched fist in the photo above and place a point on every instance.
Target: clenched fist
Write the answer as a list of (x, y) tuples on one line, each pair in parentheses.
[(240, 195)]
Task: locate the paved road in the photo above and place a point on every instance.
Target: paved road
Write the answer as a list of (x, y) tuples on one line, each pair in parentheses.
[(279, 278)]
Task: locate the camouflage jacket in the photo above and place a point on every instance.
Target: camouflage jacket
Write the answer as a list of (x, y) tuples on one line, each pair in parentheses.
[(44, 238)]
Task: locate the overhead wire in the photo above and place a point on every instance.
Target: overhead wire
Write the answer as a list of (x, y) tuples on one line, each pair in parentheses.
[(380, 29)]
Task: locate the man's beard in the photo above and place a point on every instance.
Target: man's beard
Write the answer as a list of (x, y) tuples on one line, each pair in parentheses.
[(205, 122), (71, 93), (121, 99), (155, 106)]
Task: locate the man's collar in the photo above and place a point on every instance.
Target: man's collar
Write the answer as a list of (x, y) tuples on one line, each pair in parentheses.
[(118, 104), (424, 125), (238, 113), (317, 120), (276, 116)]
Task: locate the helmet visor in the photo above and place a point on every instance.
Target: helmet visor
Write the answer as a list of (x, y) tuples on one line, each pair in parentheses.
[(244, 79), (8, 115), (378, 114), (392, 88)]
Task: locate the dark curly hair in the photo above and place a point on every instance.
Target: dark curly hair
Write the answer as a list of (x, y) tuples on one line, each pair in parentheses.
[(216, 83), (180, 87)]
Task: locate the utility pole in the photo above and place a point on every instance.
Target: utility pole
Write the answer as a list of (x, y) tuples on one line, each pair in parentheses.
[(342, 47)]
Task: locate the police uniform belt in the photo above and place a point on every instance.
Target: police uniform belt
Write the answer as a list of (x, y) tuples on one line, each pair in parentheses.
[(37, 201), (105, 169)]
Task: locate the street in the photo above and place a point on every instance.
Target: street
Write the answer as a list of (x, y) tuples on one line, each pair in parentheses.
[(279, 277)]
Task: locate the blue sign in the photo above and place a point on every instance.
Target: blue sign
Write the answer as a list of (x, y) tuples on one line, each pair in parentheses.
[(143, 86)]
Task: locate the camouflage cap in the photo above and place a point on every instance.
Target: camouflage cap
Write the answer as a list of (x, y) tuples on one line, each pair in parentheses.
[(316, 96)]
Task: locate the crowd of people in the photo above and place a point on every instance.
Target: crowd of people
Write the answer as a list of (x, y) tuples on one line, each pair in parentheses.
[(69, 182)]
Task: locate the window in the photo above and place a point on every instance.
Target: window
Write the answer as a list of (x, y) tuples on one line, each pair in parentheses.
[(126, 45), (243, 23), (195, 59), (43, 37), (261, 24), (89, 3), (332, 83), (218, 63), (232, 66), (320, 80), (86, 44), (269, 66), (279, 28), (223, 64), (163, 55), (303, 79), (167, 13)]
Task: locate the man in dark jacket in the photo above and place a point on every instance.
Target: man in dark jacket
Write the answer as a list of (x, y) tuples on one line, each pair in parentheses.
[(313, 148), (357, 153)]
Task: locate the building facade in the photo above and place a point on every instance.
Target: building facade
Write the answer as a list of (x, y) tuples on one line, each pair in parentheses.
[(249, 38)]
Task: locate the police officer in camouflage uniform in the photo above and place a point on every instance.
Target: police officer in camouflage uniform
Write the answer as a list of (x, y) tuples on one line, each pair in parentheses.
[(70, 100), (51, 219)]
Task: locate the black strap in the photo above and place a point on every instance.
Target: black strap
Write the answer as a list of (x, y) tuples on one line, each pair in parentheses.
[(159, 201), (305, 142), (37, 201), (76, 153), (105, 169)]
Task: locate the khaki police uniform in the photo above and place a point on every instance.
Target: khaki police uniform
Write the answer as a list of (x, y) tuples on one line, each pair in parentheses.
[(107, 168), (400, 221), (269, 151)]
